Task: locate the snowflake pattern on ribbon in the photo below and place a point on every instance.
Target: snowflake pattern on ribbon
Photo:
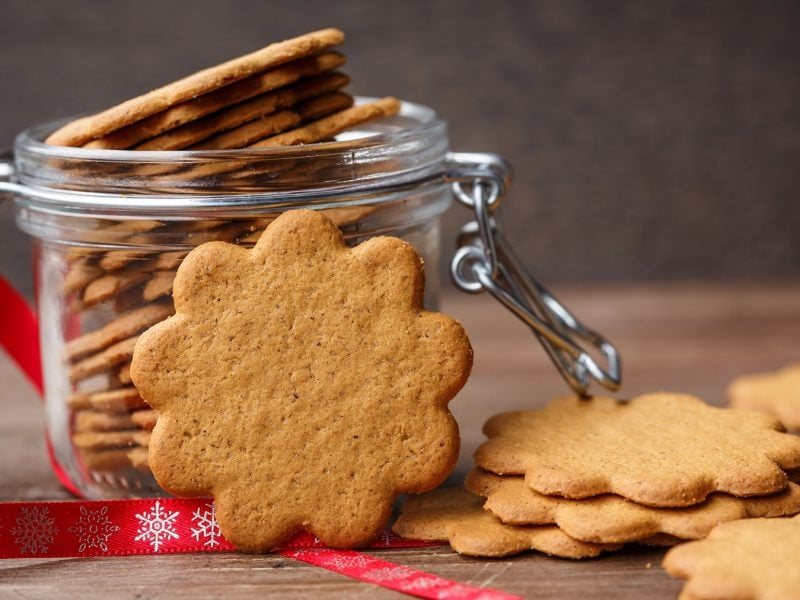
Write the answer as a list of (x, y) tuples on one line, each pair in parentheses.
[(424, 583), (342, 560), (93, 529), (389, 574), (207, 527), (156, 526), (35, 530)]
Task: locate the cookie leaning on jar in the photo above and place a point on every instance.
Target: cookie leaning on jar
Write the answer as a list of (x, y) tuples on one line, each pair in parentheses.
[(285, 94)]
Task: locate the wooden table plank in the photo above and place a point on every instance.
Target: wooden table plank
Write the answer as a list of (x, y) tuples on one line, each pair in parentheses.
[(686, 337)]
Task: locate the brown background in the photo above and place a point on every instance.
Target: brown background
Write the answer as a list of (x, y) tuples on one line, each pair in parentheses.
[(651, 140)]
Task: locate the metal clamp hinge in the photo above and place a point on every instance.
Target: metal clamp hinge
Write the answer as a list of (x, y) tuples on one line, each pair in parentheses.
[(486, 261)]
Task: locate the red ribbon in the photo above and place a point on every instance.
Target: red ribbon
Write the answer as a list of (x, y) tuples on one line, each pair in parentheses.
[(167, 525)]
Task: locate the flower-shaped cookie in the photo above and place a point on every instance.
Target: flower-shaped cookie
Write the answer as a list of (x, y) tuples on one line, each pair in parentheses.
[(776, 393), (751, 559), (302, 384), (662, 450)]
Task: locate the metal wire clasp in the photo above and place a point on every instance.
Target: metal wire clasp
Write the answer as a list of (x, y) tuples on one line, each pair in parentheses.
[(486, 261)]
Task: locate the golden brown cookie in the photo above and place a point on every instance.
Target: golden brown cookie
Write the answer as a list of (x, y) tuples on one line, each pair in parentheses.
[(80, 274), (95, 440), (94, 420), (277, 122), (158, 286), (144, 419), (612, 519), (112, 356), (120, 400), (138, 459), (109, 285), (663, 449), (123, 327), (330, 126), (240, 114), (155, 132), (251, 132), (124, 374), (752, 559), (86, 129), (302, 384), (456, 516), (106, 459), (777, 394)]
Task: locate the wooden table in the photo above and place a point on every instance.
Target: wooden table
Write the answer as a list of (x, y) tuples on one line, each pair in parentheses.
[(687, 337)]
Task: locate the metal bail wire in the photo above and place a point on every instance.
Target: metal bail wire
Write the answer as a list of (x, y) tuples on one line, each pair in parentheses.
[(486, 261)]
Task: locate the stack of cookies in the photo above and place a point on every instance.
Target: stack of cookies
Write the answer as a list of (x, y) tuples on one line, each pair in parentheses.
[(583, 476), (285, 94)]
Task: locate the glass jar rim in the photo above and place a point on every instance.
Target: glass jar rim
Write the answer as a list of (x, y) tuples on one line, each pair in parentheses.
[(386, 153)]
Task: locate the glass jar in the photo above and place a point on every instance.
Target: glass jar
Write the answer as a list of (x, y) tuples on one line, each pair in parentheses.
[(110, 227)]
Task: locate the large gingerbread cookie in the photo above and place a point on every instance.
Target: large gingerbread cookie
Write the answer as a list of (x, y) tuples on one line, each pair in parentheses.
[(662, 450), (302, 384)]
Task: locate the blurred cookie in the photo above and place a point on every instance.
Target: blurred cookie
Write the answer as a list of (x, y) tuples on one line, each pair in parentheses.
[(753, 559), (776, 393)]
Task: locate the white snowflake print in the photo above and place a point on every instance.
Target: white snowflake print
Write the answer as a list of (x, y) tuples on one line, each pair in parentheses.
[(346, 561), (454, 591), (388, 574), (424, 583), (157, 526), (385, 538), (93, 529), (207, 527), (35, 530)]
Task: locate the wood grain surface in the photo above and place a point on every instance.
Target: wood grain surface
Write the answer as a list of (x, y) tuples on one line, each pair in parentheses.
[(687, 337)]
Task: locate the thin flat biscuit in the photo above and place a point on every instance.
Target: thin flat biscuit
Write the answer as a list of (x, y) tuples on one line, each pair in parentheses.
[(159, 285), (105, 460), (117, 330), (240, 114), (110, 285), (226, 231), (455, 516), (80, 274), (103, 361), (776, 393), (612, 519), (150, 133), (144, 419), (92, 440), (110, 233), (138, 459), (94, 420), (118, 401), (663, 450), (124, 374), (79, 132), (330, 126), (748, 559), (251, 132), (284, 120)]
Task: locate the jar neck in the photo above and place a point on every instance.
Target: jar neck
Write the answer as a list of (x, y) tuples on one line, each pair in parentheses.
[(393, 152)]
